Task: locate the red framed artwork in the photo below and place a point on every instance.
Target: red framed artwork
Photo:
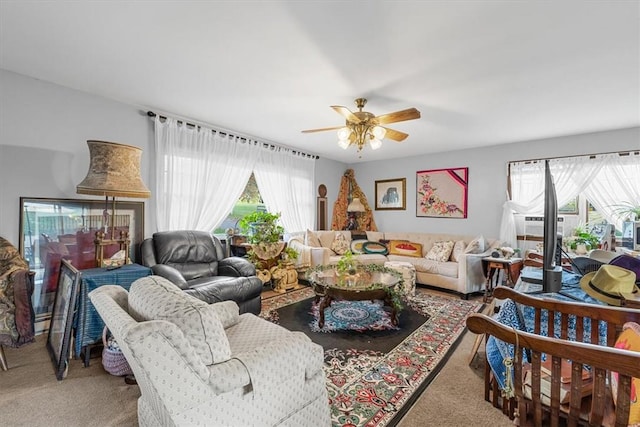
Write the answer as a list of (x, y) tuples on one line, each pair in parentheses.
[(442, 193)]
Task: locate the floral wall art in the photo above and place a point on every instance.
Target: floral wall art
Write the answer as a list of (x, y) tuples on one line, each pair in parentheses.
[(442, 193)]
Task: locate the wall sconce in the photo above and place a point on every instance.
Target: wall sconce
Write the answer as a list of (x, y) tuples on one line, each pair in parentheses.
[(114, 171)]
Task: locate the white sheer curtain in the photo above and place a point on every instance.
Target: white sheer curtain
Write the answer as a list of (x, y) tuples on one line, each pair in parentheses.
[(571, 176), (200, 175), (285, 180), (618, 182)]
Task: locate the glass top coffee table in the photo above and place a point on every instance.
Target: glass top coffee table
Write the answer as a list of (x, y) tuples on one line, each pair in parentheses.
[(366, 282)]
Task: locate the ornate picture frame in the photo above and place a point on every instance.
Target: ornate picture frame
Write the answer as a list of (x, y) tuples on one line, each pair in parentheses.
[(442, 193), (391, 194), (59, 337)]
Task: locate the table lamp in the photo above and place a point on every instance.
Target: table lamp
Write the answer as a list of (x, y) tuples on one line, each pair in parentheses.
[(353, 209), (114, 171)]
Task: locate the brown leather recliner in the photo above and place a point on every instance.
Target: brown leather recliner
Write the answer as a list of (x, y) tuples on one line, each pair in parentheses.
[(195, 261)]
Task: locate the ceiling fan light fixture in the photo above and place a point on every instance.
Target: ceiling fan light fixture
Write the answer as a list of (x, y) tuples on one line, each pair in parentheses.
[(379, 132), (344, 133), (375, 143), (344, 143)]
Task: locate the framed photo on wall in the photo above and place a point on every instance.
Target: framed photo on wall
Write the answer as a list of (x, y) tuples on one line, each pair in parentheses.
[(442, 193), (391, 194), (59, 338)]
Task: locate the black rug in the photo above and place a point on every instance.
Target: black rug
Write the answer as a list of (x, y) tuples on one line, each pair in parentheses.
[(300, 317)]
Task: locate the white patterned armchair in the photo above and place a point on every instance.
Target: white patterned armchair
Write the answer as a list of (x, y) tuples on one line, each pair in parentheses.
[(204, 364)]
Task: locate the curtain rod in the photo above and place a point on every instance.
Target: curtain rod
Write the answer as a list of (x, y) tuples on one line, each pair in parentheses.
[(267, 144), (592, 156)]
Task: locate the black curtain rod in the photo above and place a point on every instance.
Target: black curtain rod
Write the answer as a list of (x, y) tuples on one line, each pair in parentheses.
[(152, 114)]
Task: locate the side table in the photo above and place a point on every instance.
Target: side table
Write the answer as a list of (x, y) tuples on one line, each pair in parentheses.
[(88, 323), (492, 266)]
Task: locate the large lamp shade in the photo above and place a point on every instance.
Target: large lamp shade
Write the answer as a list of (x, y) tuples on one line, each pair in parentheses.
[(114, 170)]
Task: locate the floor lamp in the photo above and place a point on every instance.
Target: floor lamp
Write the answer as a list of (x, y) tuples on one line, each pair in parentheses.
[(114, 171)]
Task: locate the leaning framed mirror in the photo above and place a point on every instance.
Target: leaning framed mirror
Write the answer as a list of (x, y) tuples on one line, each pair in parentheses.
[(55, 229)]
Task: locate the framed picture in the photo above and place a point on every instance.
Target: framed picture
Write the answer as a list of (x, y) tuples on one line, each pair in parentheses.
[(59, 338), (55, 229), (391, 194), (442, 193)]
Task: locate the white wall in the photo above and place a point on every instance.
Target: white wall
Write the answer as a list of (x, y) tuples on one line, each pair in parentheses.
[(43, 150), (487, 178), (43, 153)]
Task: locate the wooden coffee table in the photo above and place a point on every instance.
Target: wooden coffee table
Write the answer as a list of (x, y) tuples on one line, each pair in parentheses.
[(362, 285)]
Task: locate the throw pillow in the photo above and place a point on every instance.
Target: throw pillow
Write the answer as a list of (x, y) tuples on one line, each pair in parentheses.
[(458, 250), (402, 247), (440, 251), (155, 298), (311, 239), (340, 244), (476, 246), (356, 246), (629, 339), (370, 247)]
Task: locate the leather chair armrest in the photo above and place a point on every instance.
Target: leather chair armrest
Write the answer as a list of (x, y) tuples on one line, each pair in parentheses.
[(236, 267), (171, 274)]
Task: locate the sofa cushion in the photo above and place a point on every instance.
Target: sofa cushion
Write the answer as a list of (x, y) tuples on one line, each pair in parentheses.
[(476, 246), (401, 247), (326, 238), (155, 298), (340, 245), (423, 265), (312, 239), (440, 251), (458, 250), (370, 247), (357, 246)]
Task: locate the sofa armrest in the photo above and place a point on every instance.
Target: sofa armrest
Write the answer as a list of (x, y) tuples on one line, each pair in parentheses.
[(162, 353), (236, 267), (292, 358), (309, 256), (171, 274), (470, 268)]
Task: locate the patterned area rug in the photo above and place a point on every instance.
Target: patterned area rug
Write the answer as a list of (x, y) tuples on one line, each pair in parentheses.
[(374, 376)]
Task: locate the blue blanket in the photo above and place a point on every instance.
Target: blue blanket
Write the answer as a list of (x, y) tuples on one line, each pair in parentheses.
[(522, 318)]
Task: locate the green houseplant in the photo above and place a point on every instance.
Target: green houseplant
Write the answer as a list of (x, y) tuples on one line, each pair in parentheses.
[(261, 227)]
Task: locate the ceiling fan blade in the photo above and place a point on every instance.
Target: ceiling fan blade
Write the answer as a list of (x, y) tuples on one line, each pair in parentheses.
[(399, 116), (346, 113), (322, 129), (395, 135)]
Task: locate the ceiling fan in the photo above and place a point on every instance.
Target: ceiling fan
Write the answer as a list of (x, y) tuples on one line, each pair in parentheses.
[(362, 127)]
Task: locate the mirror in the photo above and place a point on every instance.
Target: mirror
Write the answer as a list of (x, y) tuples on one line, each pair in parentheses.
[(55, 229)]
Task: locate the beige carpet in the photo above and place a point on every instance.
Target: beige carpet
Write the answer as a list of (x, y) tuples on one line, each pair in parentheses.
[(30, 395)]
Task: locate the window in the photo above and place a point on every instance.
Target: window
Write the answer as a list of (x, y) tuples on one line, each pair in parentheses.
[(249, 201)]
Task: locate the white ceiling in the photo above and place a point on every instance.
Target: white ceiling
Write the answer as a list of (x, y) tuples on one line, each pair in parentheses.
[(480, 72)]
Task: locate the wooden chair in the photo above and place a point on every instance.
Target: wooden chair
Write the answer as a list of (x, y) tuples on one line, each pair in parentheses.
[(600, 358)]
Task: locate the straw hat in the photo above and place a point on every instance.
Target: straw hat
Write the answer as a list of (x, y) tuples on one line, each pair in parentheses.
[(608, 282)]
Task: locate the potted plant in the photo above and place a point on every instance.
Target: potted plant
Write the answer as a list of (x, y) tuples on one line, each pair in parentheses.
[(582, 240), (627, 211), (261, 227), (264, 233)]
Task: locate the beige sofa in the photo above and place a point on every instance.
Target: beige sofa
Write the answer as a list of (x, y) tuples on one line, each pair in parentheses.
[(461, 273)]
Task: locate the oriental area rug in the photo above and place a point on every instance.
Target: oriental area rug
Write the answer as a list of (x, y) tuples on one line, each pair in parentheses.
[(375, 371)]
